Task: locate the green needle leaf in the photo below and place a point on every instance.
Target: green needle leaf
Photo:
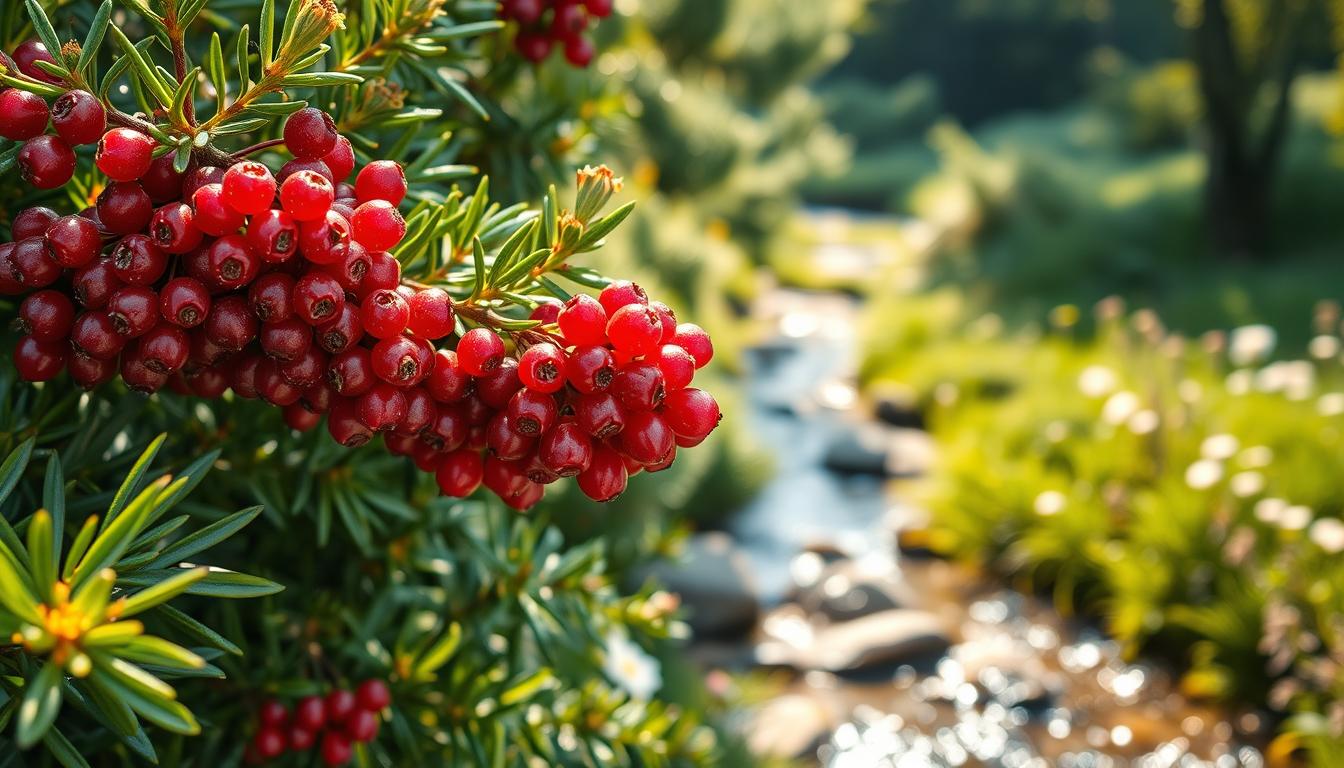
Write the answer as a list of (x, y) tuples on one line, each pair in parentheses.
[(41, 702)]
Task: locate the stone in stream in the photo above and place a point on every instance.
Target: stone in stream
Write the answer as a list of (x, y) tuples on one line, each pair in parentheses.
[(851, 589), (880, 452), (870, 646), (790, 726), (897, 411), (713, 578)]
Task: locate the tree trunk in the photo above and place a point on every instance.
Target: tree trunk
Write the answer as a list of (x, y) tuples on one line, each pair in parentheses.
[(1237, 201)]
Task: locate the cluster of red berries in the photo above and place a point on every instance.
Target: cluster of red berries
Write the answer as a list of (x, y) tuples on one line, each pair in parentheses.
[(599, 393), (341, 719), (544, 24), (47, 160)]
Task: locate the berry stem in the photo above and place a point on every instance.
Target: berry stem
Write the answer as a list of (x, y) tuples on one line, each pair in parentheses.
[(258, 147)]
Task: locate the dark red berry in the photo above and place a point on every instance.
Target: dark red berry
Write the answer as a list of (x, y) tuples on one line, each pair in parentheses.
[(373, 695), (361, 726), (232, 263), (73, 241), (599, 9), (243, 375), (384, 314), (546, 313), (565, 450), (421, 410), (579, 50), (525, 12), (273, 387), (230, 323), (185, 302), (480, 351), (271, 297), (307, 369), (23, 115), (350, 270), (583, 321), (26, 56), (449, 429), (164, 184), (134, 310), (533, 46), (94, 335), (542, 367), (38, 360), (269, 743), (46, 162), (31, 266), (79, 117), (447, 382), (340, 332), (274, 235), (310, 134), (90, 372), (381, 180), (294, 166), (164, 348), (214, 217), (340, 704), (173, 228), (384, 272), (459, 473), (285, 340), (138, 261), (639, 386), (341, 159), (124, 208), (497, 387), (248, 187), (95, 283), (599, 415), (532, 413), (505, 441), (431, 314), (310, 713), (32, 222), (350, 373), (696, 341), (301, 739), (382, 407), (401, 360), (335, 748), (46, 316), (647, 437), (272, 713), (318, 297), (590, 368), (124, 154), (605, 477)]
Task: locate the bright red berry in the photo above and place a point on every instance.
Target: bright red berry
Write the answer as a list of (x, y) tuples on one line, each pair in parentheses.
[(496, 387), (459, 473), (326, 239), (377, 225), (173, 228), (306, 196), (647, 437), (599, 415), (677, 365), (340, 160), (23, 115), (310, 134), (691, 413), (590, 368), (565, 450), (124, 154), (542, 367), (431, 314), (248, 187), (480, 351), (447, 382), (73, 241), (350, 373), (402, 360), (635, 330), (605, 477), (213, 216), (46, 162), (318, 297), (583, 321), (546, 313), (384, 272), (381, 180), (79, 117), (621, 293), (384, 314), (274, 235), (696, 341)]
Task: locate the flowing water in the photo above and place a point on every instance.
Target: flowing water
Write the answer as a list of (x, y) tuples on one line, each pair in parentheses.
[(1012, 684)]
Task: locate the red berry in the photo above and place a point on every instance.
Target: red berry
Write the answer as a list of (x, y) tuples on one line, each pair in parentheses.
[(340, 704), (326, 239), (668, 318), (401, 360), (46, 162), (31, 266), (307, 369), (274, 235), (341, 159), (497, 387), (273, 387), (546, 313), (213, 216), (421, 411), (269, 743), (621, 293), (318, 297), (248, 187), (271, 297), (583, 321), (599, 415), (677, 365), (306, 196), (694, 340), (32, 222), (431, 314), (38, 360), (598, 8), (373, 695), (124, 208), (46, 316), (95, 283), (273, 714), (173, 228), (534, 46), (340, 332), (579, 50), (565, 450), (350, 373), (310, 134), (232, 263), (73, 241), (26, 56), (459, 473), (382, 407), (285, 340), (335, 748), (230, 324), (79, 117), (350, 270), (377, 225), (542, 368), (94, 335), (647, 437), (317, 398), (384, 272), (164, 184), (184, 302), (448, 431), (384, 314), (523, 11), (23, 115), (243, 375), (362, 726), (639, 386), (164, 348), (590, 368), (301, 739), (508, 479), (134, 310), (605, 477), (480, 351), (691, 413), (138, 261), (447, 382), (310, 713), (294, 166), (635, 330), (381, 180), (532, 413), (124, 154), (90, 372)]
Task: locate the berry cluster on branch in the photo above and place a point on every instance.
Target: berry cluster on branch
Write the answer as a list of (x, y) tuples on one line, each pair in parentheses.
[(546, 24), (332, 724)]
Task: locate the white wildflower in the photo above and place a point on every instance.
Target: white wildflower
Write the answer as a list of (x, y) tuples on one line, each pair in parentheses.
[(1328, 534), (1050, 503), (1246, 484), (1144, 422), (1203, 474), (1251, 344), (629, 667), (1330, 404), (1219, 447), (1256, 456), (1119, 407), (1323, 347), (1097, 381)]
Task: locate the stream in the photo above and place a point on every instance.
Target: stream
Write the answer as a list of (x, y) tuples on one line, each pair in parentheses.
[(897, 660)]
